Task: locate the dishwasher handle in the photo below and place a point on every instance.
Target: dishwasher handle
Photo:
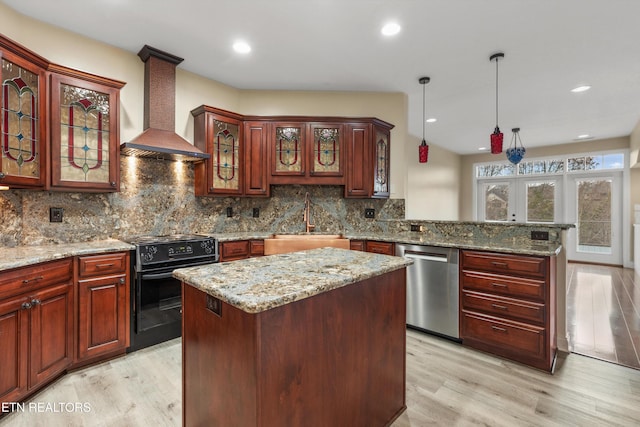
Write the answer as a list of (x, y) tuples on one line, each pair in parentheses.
[(426, 256)]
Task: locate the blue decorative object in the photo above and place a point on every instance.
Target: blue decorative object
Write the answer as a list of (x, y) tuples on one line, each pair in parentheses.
[(514, 153)]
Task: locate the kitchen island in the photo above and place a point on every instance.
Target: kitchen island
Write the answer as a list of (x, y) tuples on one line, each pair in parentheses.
[(311, 338)]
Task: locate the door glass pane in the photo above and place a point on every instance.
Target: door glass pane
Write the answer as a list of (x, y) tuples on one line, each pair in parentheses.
[(496, 202), (594, 215), (540, 201)]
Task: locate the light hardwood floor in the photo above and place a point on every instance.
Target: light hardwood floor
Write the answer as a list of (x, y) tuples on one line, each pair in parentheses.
[(603, 313), (447, 385)]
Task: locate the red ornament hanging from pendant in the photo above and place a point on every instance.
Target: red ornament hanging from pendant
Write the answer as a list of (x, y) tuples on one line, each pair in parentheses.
[(423, 152), (497, 137), (423, 148)]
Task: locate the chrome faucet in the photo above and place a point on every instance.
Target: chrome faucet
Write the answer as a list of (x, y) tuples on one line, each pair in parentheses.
[(307, 214)]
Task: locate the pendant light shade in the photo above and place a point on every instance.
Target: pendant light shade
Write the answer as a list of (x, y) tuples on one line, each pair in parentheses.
[(515, 153), (497, 137), (423, 148)]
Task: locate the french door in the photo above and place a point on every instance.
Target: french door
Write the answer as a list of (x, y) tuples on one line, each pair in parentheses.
[(520, 200), (594, 204)]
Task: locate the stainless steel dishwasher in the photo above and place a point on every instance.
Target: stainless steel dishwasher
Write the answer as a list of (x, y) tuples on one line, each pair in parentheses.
[(432, 289)]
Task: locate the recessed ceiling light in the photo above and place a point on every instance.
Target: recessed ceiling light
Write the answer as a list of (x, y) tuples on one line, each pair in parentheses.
[(580, 89), (241, 47), (482, 149), (584, 136), (432, 120), (390, 29)]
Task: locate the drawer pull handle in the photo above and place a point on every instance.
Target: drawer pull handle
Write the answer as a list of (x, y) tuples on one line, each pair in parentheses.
[(499, 264), (35, 279), (499, 307), (101, 266), (498, 285), (498, 329)]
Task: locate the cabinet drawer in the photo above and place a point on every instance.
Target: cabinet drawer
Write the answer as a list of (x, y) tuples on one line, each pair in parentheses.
[(26, 279), (504, 263), (507, 307), (356, 245), (384, 248), (506, 336), (100, 265), (505, 285), (256, 247), (234, 250)]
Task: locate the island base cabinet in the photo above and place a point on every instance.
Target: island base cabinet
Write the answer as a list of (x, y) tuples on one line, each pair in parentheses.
[(334, 359)]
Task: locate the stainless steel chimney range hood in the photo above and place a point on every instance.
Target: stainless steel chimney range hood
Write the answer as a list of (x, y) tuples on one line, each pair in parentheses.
[(159, 140)]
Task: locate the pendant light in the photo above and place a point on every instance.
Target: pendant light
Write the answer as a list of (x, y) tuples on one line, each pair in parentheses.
[(497, 136), (515, 153), (423, 149)]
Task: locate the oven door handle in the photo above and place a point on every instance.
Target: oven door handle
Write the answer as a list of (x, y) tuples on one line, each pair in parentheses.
[(157, 276)]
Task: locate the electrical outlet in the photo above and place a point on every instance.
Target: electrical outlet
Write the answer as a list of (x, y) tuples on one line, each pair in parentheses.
[(539, 235), (369, 213), (55, 214), (416, 227), (229, 212), (256, 212)]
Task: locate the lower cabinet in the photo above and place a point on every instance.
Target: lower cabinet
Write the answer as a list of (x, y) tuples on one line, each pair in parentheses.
[(384, 248), (36, 327), (103, 306), (508, 306), (241, 249)]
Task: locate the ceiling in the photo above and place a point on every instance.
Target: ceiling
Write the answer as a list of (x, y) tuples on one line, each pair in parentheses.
[(550, 46)]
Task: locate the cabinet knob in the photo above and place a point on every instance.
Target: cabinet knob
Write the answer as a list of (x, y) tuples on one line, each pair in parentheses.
[(113, 183), (122, 280), (2, 175), (26, 305), (35, 301)]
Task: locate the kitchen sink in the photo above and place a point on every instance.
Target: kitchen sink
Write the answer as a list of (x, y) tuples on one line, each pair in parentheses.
[(284, 243)]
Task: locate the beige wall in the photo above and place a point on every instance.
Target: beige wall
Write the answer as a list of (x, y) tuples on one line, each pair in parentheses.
[(432, 188)]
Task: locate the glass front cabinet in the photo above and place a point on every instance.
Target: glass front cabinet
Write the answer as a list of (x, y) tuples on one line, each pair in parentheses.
[(84, 132), (59, 126), (218, 133), (23, 118)]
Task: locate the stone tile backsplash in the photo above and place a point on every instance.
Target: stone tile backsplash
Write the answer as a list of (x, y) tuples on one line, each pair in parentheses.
[(157, 198)]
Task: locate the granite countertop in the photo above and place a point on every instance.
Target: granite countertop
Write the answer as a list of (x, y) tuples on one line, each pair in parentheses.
[(419, 238), (259, 284), (22, 256)]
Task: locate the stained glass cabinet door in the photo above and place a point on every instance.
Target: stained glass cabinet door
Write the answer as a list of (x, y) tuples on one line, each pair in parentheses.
[(327, 149), (84, 133), (22, 121)]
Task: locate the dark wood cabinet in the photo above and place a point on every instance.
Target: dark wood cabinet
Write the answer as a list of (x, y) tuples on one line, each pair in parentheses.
[(59, 127), (288, 151), (241, 249), (85, 141), (359, 182), (384, 248), (23, 124), (219, 133), (36, 326), (357, 245), (249, 153), (256, 158), (508, 306), (103, 306)]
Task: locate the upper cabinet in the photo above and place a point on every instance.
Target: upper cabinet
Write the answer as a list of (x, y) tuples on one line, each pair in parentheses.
[(218, 133), (85, 139), (60, 127), (248, 154), (23, 119)]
